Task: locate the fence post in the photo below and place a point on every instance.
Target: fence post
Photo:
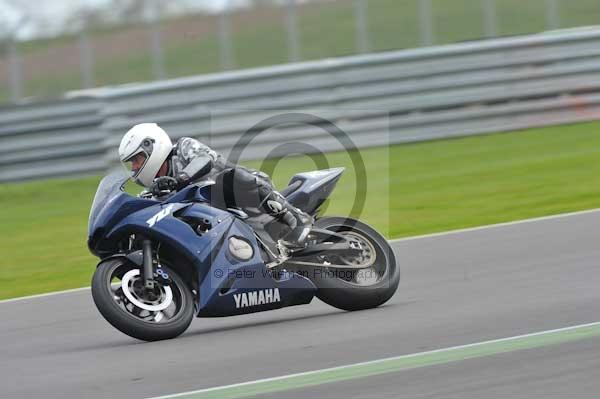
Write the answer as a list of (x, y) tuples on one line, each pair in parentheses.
[(489, 18), (158, 59), (15, 73), (225, 45), (291, 23), (362, 27), (86, 57), (552, 14), (426, 23)]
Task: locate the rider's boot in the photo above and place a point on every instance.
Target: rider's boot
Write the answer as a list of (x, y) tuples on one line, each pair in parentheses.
[(299, 227), (297, 222)]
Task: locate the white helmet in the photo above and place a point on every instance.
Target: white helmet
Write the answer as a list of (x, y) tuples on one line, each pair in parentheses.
[(143, 150)]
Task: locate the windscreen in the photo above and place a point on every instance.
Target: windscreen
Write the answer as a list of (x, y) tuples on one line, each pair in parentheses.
[(108, 188)]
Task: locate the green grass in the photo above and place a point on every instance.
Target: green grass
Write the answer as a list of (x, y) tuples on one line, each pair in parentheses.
[(326, 30), (412, 189)]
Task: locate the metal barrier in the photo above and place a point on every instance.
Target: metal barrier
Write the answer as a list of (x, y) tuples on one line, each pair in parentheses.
[(387, 98), (51, 139)]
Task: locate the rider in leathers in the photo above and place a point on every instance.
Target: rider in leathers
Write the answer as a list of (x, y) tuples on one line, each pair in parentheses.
[(162, 167)]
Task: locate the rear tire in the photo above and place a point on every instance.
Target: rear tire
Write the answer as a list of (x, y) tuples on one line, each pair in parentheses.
[(348, 295), (116, 313)]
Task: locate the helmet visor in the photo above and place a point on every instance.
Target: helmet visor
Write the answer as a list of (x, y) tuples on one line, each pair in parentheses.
[(135, 163)]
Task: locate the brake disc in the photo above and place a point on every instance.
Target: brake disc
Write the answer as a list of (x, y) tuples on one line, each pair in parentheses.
[(367, 255), (161, 303)]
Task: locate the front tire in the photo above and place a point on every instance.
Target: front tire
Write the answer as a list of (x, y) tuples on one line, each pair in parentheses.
[(116, 293), (350, 292)]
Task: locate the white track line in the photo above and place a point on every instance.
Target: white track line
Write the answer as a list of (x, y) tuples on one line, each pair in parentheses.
[(23, 298), (443, 233), (493, 226)]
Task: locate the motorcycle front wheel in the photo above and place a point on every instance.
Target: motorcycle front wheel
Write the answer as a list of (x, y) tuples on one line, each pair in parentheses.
[(119, 294)]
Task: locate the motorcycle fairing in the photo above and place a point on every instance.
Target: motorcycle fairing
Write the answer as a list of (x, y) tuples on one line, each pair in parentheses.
[(231, 279), (176, 233), (210, 256), (314, 188), (106, 218)]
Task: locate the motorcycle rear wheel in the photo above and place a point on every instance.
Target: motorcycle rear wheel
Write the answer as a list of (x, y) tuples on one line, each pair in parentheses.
[(352, 289), (117, 290)]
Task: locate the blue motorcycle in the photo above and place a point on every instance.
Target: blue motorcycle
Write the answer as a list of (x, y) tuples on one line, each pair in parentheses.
[(162, 262)]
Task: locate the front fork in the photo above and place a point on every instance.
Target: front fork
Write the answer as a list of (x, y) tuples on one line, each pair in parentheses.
[(148, 268), (151, 275)]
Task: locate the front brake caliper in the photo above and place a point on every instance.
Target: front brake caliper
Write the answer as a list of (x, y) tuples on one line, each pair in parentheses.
[(162, 276)]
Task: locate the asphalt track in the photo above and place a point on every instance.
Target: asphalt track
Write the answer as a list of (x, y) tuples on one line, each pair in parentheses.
[(456, 289)]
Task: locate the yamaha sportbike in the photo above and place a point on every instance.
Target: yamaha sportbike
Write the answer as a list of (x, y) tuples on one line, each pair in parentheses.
[(162, 262)]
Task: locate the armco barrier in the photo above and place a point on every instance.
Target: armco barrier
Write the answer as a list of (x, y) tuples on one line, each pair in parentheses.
[(377, 99)]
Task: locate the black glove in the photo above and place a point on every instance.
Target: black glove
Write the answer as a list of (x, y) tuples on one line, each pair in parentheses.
[(164, 185)]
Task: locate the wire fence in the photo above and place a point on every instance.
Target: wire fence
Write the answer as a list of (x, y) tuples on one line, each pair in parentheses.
[(162, 47)]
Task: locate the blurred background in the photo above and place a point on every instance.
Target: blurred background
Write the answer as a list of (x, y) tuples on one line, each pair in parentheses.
[(52, 47)]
